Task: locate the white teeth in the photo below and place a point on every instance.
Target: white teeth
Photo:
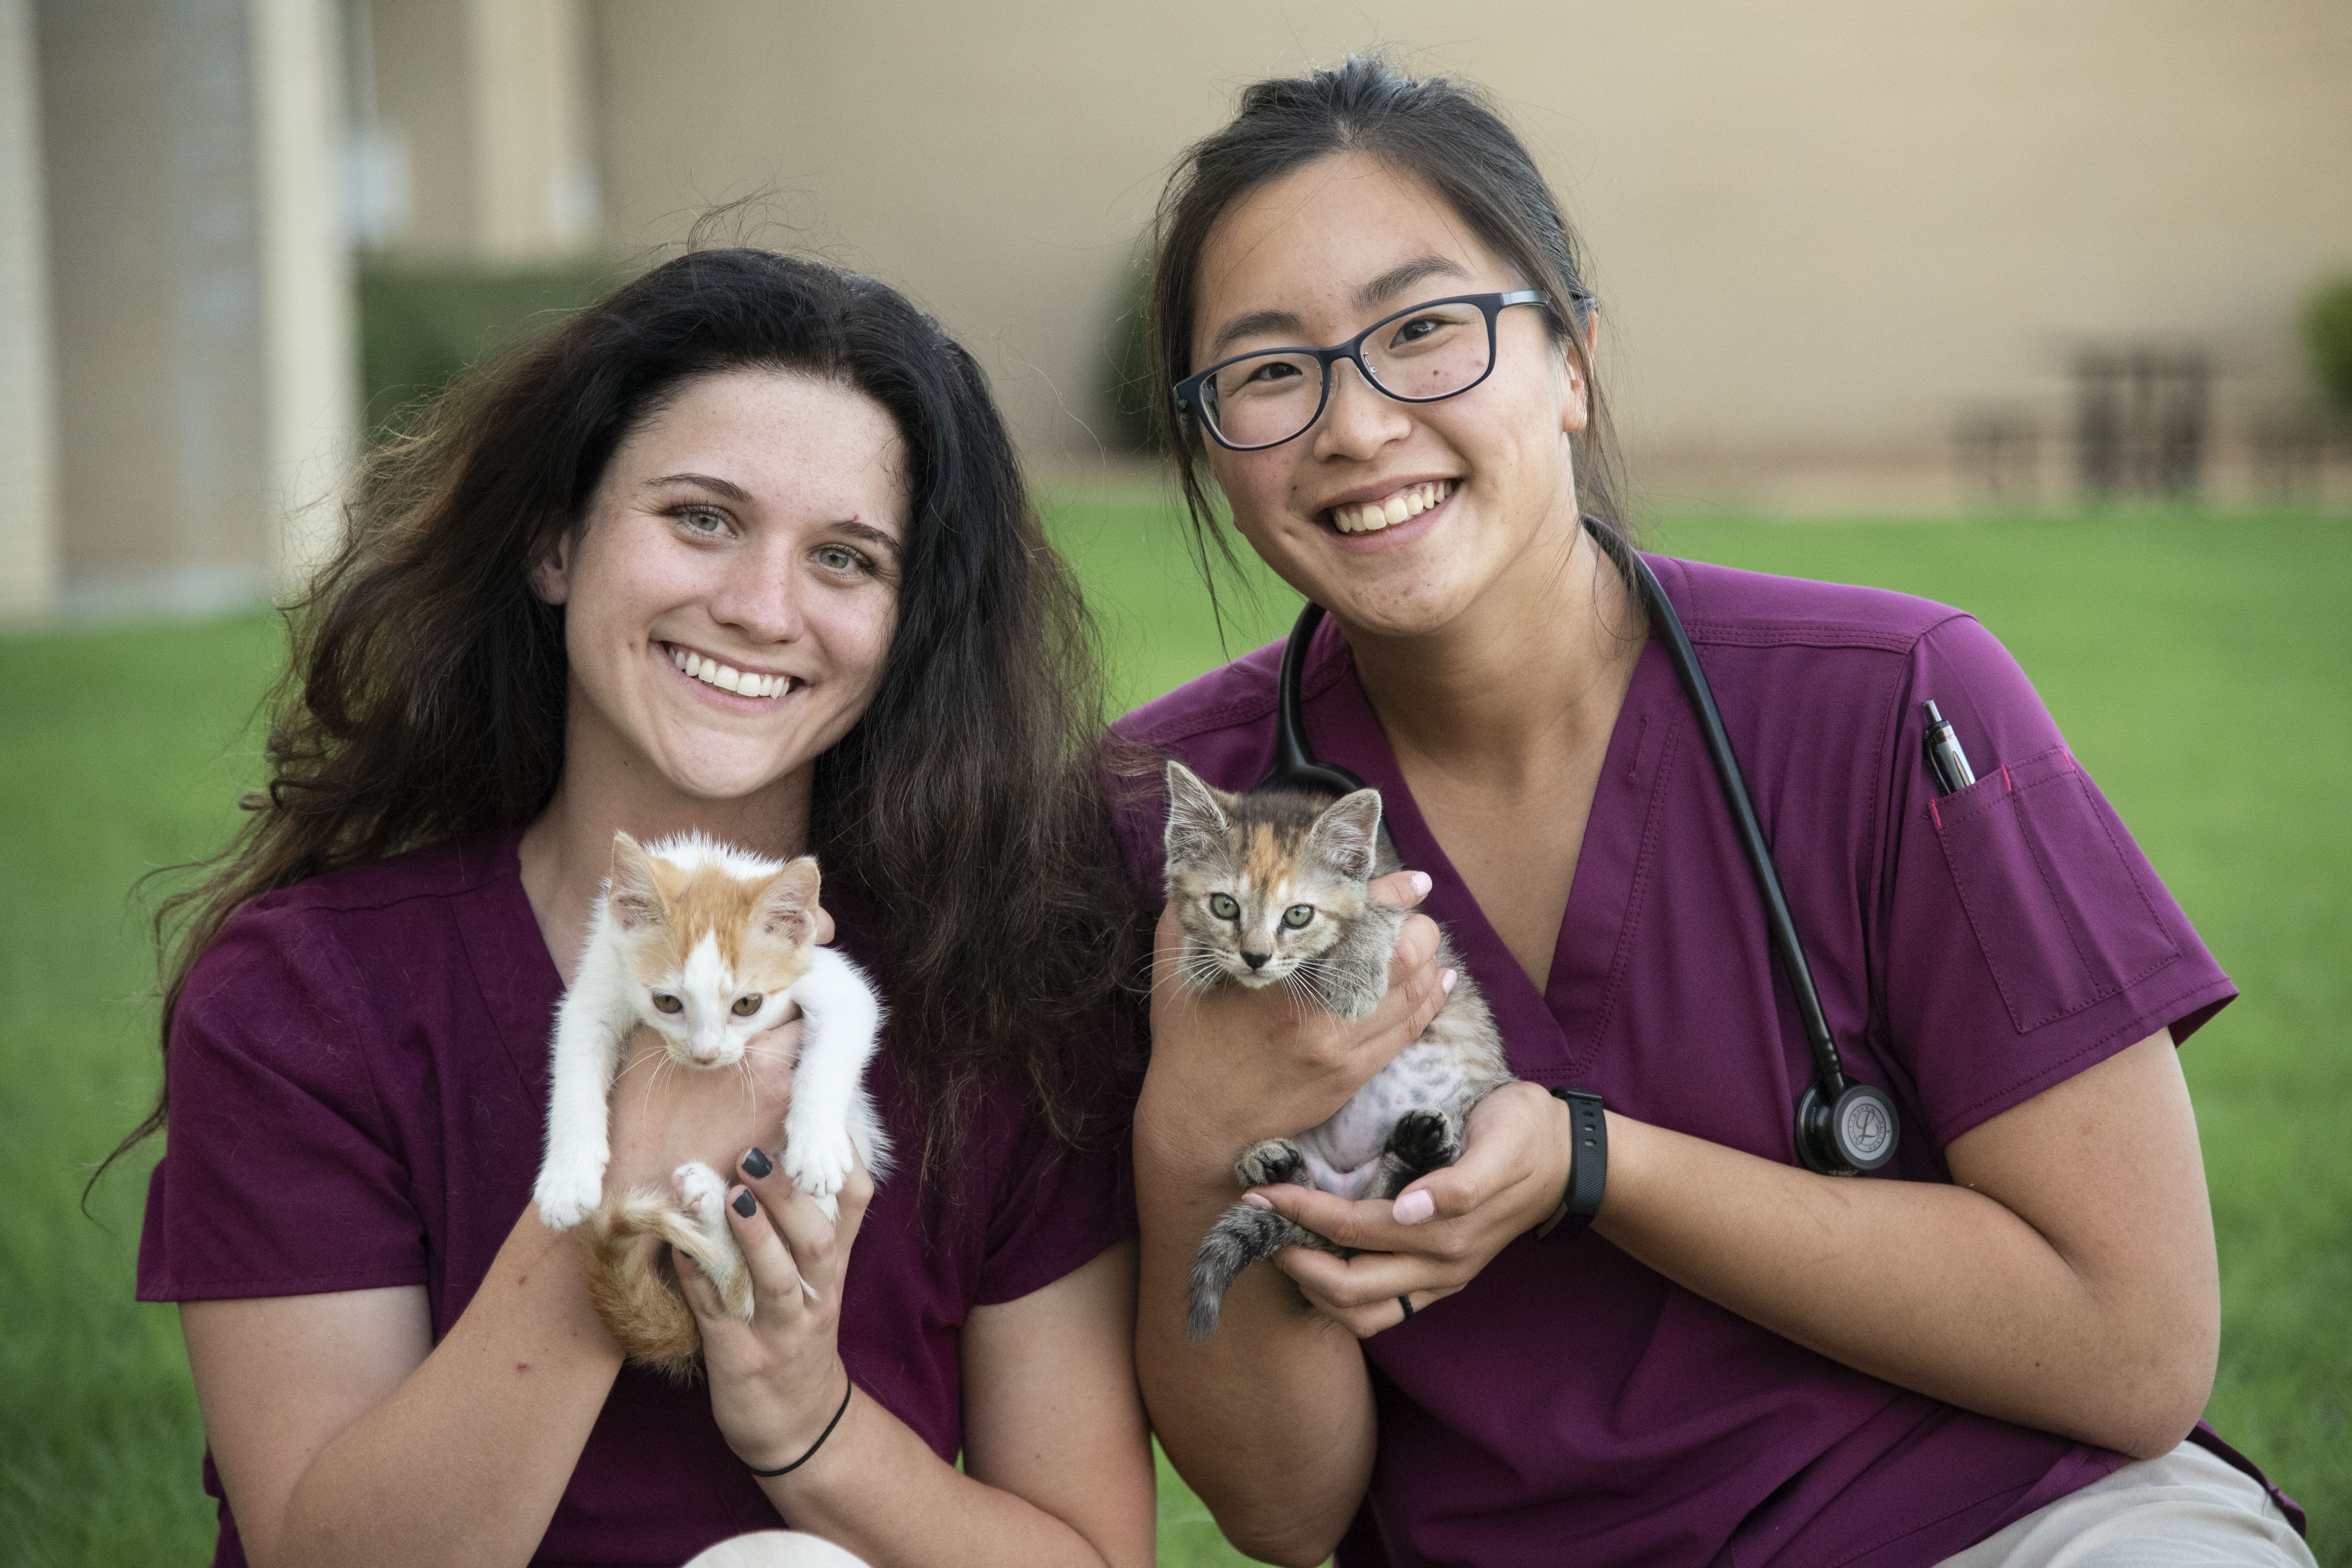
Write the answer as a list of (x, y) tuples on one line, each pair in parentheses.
[(1370, 517), (711, 672)]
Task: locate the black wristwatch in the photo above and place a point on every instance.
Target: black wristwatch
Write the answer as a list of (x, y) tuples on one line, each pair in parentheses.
[(1588, 1167)]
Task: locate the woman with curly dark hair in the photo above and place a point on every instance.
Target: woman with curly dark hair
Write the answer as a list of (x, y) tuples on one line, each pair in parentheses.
[(786, 480)]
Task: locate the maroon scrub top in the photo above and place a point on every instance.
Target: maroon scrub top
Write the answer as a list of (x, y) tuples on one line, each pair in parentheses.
[(1572, 1404), (358, 1073)]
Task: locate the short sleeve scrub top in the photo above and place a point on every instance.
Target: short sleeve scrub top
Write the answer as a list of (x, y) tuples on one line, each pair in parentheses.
[(358, 1073), (1970, 950)]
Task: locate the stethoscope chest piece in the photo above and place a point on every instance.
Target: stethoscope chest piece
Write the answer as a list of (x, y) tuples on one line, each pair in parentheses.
[(1846, 1136)]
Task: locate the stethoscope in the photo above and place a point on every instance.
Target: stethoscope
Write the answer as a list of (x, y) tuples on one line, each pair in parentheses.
[(1843, 1128)]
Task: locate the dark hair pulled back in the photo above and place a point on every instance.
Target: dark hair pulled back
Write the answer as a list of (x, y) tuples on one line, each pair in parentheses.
[(1442, 132), (425, 693)]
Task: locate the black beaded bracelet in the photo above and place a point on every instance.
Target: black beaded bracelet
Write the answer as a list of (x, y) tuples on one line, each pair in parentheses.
[(1588, 1164), (813, 1448)]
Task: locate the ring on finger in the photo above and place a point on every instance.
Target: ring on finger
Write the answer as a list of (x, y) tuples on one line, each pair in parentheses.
[(1405, 1301)]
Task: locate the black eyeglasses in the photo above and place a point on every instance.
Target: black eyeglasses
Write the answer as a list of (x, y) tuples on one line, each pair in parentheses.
[(1438, 348)]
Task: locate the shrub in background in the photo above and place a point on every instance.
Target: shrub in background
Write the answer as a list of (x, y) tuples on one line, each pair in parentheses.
[(420, 325), (2327, 335)]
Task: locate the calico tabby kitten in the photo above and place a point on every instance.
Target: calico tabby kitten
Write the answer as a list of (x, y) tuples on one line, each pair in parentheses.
[(1273, 889), (707, 946)]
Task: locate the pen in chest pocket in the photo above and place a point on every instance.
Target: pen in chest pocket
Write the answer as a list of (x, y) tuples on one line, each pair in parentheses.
[(1944, 754)]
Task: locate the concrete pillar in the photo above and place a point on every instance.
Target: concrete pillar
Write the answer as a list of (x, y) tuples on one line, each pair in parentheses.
[(310, 420), (489, 100), (202, 343), (534, 186), (28, 515)]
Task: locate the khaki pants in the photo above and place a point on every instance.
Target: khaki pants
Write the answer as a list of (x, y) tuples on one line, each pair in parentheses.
[(2187, 1509)]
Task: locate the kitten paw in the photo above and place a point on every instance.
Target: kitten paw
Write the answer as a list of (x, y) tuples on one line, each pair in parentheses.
[(1276, 1159), (818, 1160), (565, 1197), (1425, 1140), (701, 1196)]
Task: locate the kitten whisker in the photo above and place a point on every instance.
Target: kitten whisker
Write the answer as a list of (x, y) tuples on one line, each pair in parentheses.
[(653, 1078), (1312, 980)]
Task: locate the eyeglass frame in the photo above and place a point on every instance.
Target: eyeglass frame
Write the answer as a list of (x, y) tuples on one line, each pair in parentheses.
[(1491, 306)]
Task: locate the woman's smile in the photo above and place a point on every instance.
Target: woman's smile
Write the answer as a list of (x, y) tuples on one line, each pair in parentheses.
[(1394, 516), (738, 688)]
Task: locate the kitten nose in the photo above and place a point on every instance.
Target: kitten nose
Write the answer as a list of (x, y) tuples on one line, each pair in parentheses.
[(1255, 960)]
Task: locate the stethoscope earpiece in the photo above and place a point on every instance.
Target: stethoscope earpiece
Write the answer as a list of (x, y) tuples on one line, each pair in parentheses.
[(1843, 1128)]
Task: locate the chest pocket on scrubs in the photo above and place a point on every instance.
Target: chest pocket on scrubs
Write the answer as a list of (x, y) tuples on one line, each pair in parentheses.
[(2052, 885)]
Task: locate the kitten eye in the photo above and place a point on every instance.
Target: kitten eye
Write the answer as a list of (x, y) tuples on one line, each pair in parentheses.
[(747, 1006), (666, 1003), (1222, 905), (1298, 915)]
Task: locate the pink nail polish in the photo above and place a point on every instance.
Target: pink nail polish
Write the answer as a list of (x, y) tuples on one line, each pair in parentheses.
[(1257, 1200), (1445, 981), (1411, 1208), (1422, 884)]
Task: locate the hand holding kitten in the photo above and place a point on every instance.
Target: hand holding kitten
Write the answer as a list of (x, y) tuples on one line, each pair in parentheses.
[(1513, 1169), (777, 1380)]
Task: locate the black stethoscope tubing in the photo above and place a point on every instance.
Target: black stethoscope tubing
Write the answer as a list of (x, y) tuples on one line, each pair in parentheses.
[(1843, 1128)]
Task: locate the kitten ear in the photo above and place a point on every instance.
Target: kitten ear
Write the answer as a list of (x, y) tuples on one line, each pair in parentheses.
[(634, 897), (1348, 835), (1196, 822), (787, 907)]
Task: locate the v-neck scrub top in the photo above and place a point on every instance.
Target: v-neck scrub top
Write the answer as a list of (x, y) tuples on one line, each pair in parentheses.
[(358, 1075), (1572, 1404)]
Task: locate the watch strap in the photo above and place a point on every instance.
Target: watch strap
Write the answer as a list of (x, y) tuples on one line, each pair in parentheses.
[(1588, 1169)]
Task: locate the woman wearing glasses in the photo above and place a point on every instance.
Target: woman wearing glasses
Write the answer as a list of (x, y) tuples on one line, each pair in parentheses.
[(1379, 347)]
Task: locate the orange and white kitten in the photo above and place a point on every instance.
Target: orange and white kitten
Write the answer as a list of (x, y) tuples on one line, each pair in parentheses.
[(708, 946)]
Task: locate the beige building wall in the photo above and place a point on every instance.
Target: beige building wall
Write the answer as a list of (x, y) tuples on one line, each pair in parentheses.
[(147, 129), (29, 513), (1823, 230)]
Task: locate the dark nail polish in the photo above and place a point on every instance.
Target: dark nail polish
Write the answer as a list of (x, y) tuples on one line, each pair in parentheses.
[(745, 1205), (756, 1164)]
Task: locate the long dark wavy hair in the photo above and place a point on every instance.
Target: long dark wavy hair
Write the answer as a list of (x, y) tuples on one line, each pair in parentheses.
[(1442, 132), (424, 697)]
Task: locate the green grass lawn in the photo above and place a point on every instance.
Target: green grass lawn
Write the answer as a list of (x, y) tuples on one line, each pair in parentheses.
[(2200, 666)]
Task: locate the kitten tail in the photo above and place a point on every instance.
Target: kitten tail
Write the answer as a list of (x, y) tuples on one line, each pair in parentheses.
[(635, 1290), (1242, 1236)]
